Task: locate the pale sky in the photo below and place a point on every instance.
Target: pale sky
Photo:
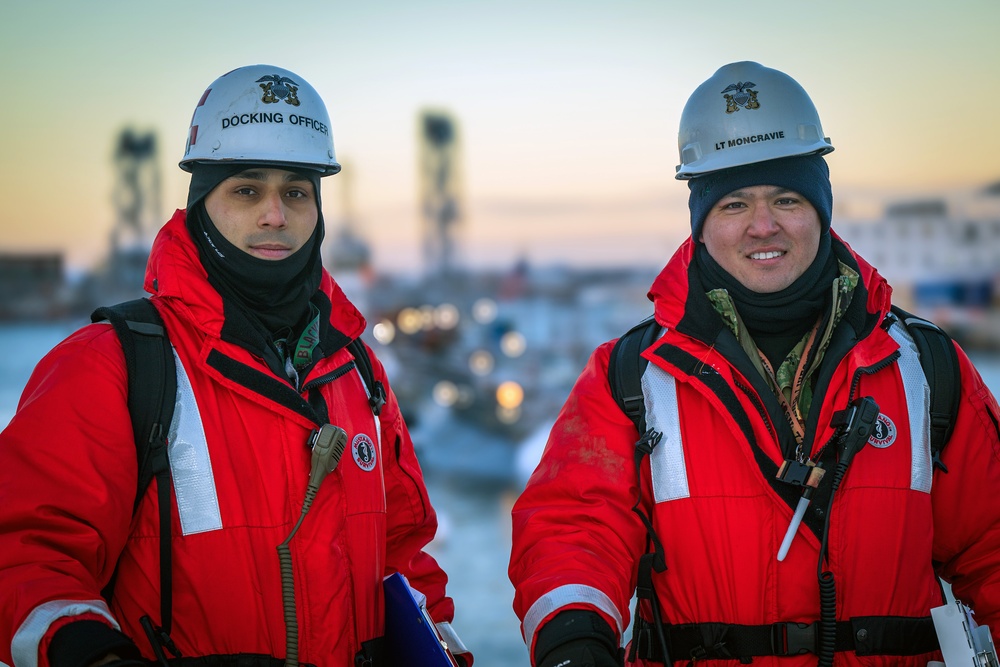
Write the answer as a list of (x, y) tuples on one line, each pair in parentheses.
[(567, 111)]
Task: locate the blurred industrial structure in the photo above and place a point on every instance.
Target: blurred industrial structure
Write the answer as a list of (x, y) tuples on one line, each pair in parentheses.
[(136, 199), (440, 189)]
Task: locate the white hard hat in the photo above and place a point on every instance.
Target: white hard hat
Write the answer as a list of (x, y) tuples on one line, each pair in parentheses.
[(261, 114), (747, 113)]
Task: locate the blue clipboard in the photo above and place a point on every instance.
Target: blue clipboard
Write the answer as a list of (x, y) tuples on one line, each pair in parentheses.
[(411, 637)]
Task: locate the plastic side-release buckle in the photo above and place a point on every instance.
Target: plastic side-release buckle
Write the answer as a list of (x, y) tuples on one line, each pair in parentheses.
[(793, 638), (378, 398), (372, 653)]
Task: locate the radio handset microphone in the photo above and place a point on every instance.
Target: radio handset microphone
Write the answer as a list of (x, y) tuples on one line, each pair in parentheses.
[(327, 445), (858, 422)]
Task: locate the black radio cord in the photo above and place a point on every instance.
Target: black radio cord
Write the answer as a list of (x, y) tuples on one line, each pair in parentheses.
[(856, 426)]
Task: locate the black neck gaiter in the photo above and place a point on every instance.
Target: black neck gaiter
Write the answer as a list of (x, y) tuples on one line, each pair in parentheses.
[(786, 314), (274, 293)]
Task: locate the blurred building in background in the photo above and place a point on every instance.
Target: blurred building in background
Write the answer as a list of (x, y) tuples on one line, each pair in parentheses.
[(33, 286), (942, 257)]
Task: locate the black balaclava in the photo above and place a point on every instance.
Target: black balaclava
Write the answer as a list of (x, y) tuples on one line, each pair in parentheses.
[(795, 307), (275, 293), (777, 320)]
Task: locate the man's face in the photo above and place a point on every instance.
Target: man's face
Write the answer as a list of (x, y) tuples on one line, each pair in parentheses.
[(764, 236), (267, 213)]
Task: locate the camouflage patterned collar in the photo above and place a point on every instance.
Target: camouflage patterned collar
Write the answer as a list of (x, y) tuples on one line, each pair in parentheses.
[(790, 381)]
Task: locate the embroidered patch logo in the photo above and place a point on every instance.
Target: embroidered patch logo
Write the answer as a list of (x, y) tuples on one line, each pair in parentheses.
[(884, 433), (277, 88), (744, 96), (363, 450)]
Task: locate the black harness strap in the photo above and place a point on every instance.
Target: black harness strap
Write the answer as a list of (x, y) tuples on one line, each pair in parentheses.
[(643, 448), (865, 635), (939, 361), (654, 558), (152, 387), (152, 379), (376, 391), (625, 368)]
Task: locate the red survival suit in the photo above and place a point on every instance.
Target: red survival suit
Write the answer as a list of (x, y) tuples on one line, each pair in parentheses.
[(68, 478), (721, 514)]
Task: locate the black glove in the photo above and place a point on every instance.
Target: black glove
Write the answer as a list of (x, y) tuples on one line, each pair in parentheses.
[(577, 638), (581, 653), (81, 643)]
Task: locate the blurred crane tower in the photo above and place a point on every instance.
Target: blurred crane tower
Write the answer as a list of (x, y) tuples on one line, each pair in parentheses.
[(440, 190), (136, 194), (136, 199)]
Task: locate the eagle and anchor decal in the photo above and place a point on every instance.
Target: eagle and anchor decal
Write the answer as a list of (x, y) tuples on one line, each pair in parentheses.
[(741, 95)]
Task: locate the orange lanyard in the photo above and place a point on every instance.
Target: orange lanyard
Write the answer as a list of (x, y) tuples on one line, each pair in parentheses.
[(790, 405)]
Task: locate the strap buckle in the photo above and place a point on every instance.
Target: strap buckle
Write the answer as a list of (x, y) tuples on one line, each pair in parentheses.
[(378, 398), (793, 638)]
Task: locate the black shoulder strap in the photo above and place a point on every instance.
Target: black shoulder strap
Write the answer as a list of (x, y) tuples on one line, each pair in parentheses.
[(625, 369), (152, 391), (939, 361), (376, 392), (152, 377)]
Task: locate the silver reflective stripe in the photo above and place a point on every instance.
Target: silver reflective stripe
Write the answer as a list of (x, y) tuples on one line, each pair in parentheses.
[(190, 465), (378, 423), (918, 401), (561, 597), (659, 390), (444, 629), (24, 645), (451, 638)]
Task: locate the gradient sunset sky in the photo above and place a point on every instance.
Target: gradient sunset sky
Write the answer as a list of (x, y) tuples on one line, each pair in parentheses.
[(567, 111)]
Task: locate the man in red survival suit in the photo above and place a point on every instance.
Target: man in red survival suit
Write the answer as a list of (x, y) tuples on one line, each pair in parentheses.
[(274, 439), (779, 379)]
